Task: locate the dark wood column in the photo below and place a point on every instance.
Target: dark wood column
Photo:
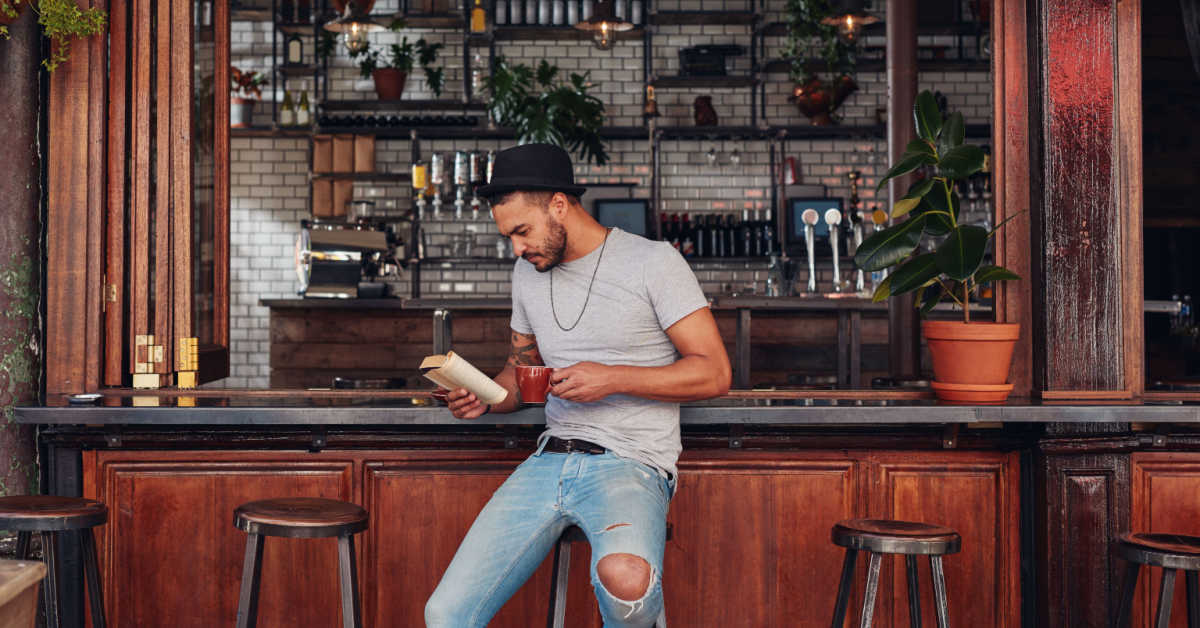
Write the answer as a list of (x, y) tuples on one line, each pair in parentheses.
[(904, 331), (1085, 200)]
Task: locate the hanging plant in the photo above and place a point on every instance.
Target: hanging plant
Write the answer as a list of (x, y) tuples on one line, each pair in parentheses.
[(821, 63), (10, 10), (63, 21)]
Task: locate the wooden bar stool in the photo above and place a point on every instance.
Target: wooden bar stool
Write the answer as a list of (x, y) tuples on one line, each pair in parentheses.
[(884, 536), (1171, 552), (299, 518), (48, 516), (561, 572)]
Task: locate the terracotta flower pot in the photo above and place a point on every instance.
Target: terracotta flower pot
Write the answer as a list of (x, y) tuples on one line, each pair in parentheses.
[(389, 83), (241, 112), (818, 100), (971, 360)]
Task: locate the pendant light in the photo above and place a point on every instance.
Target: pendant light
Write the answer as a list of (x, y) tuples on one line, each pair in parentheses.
[(849, 16), (604, 25), (354, 24)]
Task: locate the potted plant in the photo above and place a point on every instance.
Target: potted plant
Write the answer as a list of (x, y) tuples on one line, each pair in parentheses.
[(61, 21), (391, 75), (541, 108), (822, 64), (247, 90), (971, 359)]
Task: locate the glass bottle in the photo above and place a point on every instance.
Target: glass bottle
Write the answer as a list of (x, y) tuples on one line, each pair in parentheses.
[(557, 12), (287, 111), (295, 50), (543, 12), (303, 111), (572, 12), (586, 11), (516, 12), (531, 11), (635, 12), (501, 12), (478, 18)]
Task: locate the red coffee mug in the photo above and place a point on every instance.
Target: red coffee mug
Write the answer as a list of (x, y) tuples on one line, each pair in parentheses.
[(533, 382)]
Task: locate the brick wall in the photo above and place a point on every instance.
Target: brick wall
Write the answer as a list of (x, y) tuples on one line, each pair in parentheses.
[(270, 192)]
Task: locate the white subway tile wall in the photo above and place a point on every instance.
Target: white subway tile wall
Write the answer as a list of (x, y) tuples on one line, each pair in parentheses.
[(270, 186)]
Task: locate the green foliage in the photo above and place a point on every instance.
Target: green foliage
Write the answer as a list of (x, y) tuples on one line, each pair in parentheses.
[(540, 107), (955, 268), (814, 48), (404, 56), (63, 21), (8, 10)]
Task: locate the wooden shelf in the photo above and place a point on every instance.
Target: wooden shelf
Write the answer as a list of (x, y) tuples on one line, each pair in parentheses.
[(712, 132), (468, 132), (439, 20), (266, 131), (704, 81), (299, 28), (400, 105), (396, 177), (250, 15), (783, 66), (303, 69), (703, 17), (555, 33)]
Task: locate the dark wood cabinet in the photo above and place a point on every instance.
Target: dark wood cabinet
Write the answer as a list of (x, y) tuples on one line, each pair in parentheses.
[(750, 546), (1165, 497)]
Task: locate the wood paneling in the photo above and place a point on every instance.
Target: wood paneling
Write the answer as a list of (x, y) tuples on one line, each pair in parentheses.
[(1165, 497), (976, 494), (1082, 500)]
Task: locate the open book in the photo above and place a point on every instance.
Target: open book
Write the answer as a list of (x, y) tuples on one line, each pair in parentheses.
[(452, 371)]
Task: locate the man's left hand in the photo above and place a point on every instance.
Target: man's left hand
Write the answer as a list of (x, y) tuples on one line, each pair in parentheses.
[(583, 382)]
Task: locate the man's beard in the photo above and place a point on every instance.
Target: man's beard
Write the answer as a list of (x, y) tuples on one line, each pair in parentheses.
[(552, 248)]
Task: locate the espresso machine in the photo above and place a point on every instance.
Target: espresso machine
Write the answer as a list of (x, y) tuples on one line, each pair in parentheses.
[(344, 260)]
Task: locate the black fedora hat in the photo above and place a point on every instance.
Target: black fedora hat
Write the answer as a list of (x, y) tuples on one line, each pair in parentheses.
[(533, 168)]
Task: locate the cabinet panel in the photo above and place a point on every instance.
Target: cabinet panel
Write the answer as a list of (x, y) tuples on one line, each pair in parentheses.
[(751, 539), (1165, 497), (977, 495), (172, 557)]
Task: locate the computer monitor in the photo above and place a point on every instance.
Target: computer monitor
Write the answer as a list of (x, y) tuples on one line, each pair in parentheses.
[(793, 240)]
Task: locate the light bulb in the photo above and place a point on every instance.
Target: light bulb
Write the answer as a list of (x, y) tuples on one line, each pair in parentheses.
[(355, 38), (848, 28), (603, 37)]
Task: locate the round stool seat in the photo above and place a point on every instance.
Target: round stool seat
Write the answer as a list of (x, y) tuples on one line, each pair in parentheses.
[(49, 513), (300, 517), (1173, 551), (885, 536)]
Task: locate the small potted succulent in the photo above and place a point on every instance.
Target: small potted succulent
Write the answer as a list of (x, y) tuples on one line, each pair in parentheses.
[(390, 75), (61, 20), (247, 90), (971, 359), (822, 64), (541, 108)]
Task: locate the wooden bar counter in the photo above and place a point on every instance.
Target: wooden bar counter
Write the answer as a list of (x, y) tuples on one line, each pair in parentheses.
[(763, 478)]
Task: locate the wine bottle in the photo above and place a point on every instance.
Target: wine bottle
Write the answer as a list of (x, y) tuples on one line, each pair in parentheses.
[(687, 240), (675, 231), (701, 236), (478, 18), (303, 111), (287, 111)]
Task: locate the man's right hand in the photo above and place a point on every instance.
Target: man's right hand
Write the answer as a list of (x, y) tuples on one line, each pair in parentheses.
[(464, 404)]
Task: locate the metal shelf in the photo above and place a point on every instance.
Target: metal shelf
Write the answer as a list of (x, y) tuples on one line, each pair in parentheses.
[(439, 20), (467, 132), (266, 131), (704, 81), (298, 28), (398, 177), (703, 17), (303, 69), (555, 33), (400, 105)]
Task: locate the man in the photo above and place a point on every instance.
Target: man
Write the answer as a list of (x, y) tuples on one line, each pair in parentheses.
[(626, 328)]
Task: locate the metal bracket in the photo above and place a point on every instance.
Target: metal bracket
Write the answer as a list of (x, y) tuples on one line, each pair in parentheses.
[(319, 440), (950, 436), (736, 432)]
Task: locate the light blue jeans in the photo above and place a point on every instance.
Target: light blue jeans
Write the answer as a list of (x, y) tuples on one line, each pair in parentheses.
[(620, 504)]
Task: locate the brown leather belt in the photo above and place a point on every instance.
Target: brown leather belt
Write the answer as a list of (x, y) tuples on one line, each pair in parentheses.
[(558, 445)]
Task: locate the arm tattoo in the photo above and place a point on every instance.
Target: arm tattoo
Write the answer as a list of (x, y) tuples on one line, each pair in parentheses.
[(524, 350)]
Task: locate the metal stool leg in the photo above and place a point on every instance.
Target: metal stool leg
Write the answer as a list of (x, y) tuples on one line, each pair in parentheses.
[(939, 593), (1193, 599), (558, 585), (847, 581), (348, 572), (914, 592), (1165, 595), (50, 586), (23, 545), (247, 615), (868, 611), (91, 569), (1128, 588)]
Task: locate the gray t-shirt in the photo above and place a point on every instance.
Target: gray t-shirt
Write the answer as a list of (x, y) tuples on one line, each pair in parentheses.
[(642, 287)]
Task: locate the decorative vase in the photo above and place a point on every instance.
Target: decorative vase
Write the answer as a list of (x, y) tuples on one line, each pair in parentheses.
[(241, 112), (818, 101), (971, 361), (389, 83)]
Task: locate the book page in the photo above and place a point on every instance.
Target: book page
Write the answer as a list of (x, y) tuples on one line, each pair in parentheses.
[(457, 372)]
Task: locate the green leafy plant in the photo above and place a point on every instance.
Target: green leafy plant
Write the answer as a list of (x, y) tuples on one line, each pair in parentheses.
[(8, 12), (955, 267), (808, 35), (540, 107), (63, 21), (247, 84), (404, 56)]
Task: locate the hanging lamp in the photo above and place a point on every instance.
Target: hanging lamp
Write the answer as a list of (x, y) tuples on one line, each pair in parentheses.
[(354, 24), (849, 16), (604, 25)]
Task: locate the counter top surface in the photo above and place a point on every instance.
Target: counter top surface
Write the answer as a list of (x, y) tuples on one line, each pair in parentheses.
[(397, 409), (815, 303)]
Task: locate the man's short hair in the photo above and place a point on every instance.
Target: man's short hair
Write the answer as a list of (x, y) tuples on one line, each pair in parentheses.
[(537, 197)]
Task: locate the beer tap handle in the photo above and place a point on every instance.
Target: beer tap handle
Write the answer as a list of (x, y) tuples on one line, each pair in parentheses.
[(833, 218), (810, 217)]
